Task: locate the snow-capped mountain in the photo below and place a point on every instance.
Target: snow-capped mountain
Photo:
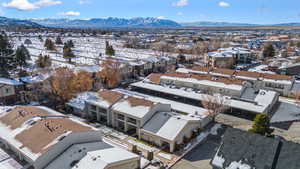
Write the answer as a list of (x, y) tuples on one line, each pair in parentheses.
[(17, 22), (106, 23)]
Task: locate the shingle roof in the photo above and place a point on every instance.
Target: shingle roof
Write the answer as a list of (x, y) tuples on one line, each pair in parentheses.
[(289, 157), (247, 148), (256, 152)]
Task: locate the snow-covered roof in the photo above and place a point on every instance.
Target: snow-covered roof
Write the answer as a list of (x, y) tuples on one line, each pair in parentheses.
[(253, 106), (106, 98), (252, 75), (79, 101), (101, 159), (12, 82), (176, 106), (92, 155), (167, 125), (134, 106), (20, 124), (35, 78)]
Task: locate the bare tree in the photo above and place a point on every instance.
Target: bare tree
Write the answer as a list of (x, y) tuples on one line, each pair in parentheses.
[(215, 104), (110, 73)]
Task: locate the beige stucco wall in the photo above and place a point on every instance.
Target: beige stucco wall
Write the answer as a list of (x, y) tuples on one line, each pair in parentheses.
[(130, 164)]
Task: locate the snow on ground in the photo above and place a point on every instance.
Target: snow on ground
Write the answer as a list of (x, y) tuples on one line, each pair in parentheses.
[(260, 69), (87, 51), (166, 156), (144, 162), (203, 135)]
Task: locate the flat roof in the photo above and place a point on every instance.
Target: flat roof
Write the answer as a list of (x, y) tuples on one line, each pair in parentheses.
[(262, 105)]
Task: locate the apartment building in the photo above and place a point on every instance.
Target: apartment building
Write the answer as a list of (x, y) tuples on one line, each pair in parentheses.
[(205, 83), (46, 139), (250, 101), (221, 60), (240, 55), (131, 113), (99, 108), (282, 84), (135, 113)]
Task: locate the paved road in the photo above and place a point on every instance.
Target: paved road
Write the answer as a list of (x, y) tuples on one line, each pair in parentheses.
[(200, 156)]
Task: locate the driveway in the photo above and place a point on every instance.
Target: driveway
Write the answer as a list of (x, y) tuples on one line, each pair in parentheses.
[(200, 156)]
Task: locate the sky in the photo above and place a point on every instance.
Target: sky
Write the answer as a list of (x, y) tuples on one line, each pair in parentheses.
[(241, 11)]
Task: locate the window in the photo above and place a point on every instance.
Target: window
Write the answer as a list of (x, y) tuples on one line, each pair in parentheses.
[(93, 107), (131, 120), (7, 90), (121, 117), (101, 110)]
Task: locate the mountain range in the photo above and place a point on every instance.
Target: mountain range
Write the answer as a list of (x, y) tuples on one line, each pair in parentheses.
[(17, 22), (106, 23), (121, 23)]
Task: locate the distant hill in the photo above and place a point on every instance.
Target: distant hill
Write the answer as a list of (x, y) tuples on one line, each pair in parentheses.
[(215, 24), (229, 24), (287, 24), (10, 22), (106, 23)]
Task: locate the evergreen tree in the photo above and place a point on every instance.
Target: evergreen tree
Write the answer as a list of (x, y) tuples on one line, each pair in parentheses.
[(40, 61), (6, 59), (49, 45), (68, 53), (58, 41), (5, 46), (40, 38), (70, 44), (22, 54), (261, 125), (268, 51), (43, 61), (109, 50), (27, 42)]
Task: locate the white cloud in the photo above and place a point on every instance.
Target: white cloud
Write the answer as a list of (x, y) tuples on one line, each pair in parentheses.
[(224, 4), (69, 13), (181, 3), (81, 2), (25, 5), (161, 17), (179, 13)]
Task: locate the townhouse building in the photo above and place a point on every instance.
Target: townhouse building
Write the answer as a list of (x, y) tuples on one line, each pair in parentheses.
[(135, 113), (282, 84)]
